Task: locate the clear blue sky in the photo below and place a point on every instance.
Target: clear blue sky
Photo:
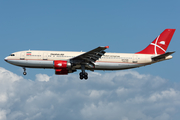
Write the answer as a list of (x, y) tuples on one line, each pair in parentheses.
[(126, 26)]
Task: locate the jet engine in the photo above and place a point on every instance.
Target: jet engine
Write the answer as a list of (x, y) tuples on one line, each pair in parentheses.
[(61, 67)]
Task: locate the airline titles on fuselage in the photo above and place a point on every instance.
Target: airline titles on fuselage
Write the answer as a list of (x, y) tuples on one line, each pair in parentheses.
[(63, 55)]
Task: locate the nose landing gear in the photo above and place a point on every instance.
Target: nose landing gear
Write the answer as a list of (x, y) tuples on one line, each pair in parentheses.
[(24, 73)]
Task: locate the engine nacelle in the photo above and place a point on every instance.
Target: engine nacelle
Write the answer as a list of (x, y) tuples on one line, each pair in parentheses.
[(61, 71), (61, 67), (60, 64)]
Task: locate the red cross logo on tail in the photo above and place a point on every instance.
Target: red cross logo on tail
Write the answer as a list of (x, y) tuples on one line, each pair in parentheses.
[(160, 44)]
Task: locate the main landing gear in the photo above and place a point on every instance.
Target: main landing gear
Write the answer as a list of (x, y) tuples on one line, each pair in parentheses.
[(24, 73), (83, 74)]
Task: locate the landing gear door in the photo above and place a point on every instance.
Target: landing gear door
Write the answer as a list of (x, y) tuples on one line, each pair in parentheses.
[(45, 56), (22, 56)]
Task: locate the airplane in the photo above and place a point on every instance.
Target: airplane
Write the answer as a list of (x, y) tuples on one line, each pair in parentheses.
[(65, 62)]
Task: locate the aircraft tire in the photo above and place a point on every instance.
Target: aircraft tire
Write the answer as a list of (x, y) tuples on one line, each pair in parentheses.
[(86, 76), (24, 73)]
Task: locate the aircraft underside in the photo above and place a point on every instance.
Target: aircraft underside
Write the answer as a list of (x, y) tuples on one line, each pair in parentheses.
[(98, 65)]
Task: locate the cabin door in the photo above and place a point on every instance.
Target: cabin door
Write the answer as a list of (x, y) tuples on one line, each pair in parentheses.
[(22, 56), (45, 56), (135, 59)]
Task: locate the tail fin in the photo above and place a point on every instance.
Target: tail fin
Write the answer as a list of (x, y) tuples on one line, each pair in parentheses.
[(160, 44)]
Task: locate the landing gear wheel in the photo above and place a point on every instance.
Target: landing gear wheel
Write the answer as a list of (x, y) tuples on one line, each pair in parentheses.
[(24, 73), (81, 75), (86, 76)]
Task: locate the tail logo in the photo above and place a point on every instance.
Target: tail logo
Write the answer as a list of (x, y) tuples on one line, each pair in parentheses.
[(155, 45), (162, 42)]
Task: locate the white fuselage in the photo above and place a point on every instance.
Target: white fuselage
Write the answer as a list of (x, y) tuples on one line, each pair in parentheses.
[(110, 61)]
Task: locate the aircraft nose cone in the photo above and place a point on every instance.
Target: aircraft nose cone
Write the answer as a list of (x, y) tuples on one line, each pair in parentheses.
[(5, 59)]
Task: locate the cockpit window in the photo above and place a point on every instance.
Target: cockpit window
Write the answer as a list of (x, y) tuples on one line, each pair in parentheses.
[(12, 54)]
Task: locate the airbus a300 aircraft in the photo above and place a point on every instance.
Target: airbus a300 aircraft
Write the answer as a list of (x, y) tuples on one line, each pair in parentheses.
[(97, 59)]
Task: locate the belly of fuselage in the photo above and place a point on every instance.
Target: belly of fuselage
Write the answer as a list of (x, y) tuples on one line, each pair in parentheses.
[(32, 63), (49, 64), (115, 66)]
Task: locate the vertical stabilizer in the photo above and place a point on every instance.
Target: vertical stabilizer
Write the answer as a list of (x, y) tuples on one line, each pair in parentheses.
[(160, 44)]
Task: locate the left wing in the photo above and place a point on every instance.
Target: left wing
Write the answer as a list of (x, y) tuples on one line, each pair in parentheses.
[(90, 57)]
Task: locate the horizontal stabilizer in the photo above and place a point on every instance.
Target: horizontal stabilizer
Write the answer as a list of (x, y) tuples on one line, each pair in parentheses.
[(163, 56)]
